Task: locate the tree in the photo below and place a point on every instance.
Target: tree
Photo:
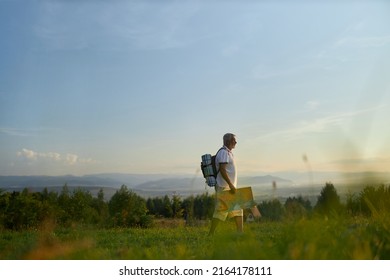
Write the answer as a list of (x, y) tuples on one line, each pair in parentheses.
[(188, 209), (23, 211), (101, 208), (271, 210), (4, 204), (328, 203), (297, 207), (167, 210), (177, 211), (127, 208), (204, 206), (64, 212), (81, 210), (49, 202), (150, 206)]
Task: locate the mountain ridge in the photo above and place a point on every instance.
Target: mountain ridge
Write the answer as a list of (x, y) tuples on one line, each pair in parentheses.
[(153, 185), (117, 180)]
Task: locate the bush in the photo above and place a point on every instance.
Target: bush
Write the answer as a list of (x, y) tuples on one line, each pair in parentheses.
[(127, 208), (370, 201)]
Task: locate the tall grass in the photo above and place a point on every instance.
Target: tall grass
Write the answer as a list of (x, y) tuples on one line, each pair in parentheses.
[(314, 238)]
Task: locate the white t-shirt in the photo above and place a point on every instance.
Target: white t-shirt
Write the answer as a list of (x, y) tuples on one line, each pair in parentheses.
[(226, 156)]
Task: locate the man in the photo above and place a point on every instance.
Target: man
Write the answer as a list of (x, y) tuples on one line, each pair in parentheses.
[(226, 180)]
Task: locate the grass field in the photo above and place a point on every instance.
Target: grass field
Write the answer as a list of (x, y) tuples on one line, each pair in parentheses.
[(307, 239)]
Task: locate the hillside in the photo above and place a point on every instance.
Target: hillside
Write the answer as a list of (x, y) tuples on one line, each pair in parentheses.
[(144, 185), (151, 185)]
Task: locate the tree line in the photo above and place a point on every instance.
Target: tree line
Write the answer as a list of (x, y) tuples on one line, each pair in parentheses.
[(26, 209)]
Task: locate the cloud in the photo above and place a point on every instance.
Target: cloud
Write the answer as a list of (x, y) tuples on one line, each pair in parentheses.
[(32, 155), (272, 71), (324, 123), (317, 125), (118, 25), (362, 42), (26, 132), (362, 164), (354, 161), (265, 72), (69, 159), (355, 43), (230, 50), (312, 105), (15, 131), (28, 154), (54, 156)]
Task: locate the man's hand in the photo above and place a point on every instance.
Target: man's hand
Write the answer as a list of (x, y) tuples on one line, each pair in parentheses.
[(222, 169), (232, 189)]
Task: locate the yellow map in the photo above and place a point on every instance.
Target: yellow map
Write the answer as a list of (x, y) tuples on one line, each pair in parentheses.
[(242, 199)]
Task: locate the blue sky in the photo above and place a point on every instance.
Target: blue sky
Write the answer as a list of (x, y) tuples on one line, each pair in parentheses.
[(149, 86)]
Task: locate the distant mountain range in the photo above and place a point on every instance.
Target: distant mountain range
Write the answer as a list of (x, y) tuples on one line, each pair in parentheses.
[(144, 184), (152, 185)]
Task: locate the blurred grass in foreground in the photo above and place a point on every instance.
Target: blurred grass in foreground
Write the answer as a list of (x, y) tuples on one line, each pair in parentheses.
[(304, 239)]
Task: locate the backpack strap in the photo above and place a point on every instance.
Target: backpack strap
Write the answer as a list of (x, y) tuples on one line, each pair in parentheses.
[(216, 158)]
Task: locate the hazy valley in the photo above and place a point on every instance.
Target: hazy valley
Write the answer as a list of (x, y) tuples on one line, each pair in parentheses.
[(265, 187)]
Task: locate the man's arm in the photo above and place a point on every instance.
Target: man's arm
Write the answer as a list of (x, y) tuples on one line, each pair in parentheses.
[(222, 169)]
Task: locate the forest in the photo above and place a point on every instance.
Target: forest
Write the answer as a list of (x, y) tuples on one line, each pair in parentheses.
[(31, 210)]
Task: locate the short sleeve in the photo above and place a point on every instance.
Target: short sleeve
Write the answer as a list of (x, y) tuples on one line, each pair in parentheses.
[(222, 156)]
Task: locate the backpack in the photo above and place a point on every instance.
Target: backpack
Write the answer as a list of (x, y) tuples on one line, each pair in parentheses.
[(209, 169)]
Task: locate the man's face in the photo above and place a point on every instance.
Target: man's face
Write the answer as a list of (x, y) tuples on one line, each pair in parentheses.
[(232, 143)]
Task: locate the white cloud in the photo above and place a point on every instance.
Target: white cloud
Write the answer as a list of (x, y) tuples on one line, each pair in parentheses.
[(69, 159), (54, 156), (28, 154), (33, 155)]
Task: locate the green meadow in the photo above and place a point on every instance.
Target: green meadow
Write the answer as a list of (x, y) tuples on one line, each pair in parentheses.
[(315, 238), (78, 226)]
